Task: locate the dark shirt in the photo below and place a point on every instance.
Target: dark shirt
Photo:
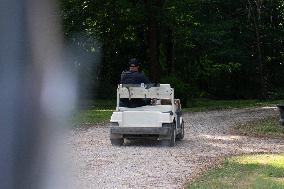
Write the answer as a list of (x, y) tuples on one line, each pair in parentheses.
[(133, 78)]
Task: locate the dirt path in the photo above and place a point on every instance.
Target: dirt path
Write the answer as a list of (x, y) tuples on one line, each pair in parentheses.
[(141, 164)]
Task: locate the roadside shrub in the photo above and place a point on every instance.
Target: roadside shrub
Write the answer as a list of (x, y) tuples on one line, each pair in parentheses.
[(182, 89)]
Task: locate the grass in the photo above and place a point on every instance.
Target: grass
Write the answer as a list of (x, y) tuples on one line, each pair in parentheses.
[(197, 105), (97, 104), (91, 116), (201, 104), (267, 127), (93, 111), (98, 111), (260, 171)]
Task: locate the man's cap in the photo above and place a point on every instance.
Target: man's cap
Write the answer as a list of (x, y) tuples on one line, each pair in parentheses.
[(134, 61)]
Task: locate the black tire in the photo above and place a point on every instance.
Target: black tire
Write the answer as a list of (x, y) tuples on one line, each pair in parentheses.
[(116, 140), (172, 140), (180, 136)]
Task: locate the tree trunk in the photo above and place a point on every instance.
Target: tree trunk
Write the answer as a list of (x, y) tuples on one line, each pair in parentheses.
[(169, 51), (261, 71), (153, 49), (153, 34)]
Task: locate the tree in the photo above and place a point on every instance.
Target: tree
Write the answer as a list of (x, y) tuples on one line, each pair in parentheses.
[(216, 48)]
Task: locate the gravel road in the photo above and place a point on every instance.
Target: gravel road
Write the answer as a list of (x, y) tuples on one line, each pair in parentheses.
[(147, 164)]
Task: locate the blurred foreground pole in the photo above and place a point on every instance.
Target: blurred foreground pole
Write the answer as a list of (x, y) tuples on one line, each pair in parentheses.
[(37, 92)]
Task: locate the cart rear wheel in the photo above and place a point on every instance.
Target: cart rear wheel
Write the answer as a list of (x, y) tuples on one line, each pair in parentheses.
[(180, 136), (172, 136)]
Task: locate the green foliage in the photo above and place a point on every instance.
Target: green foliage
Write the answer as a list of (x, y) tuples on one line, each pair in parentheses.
[(208, 104), (91, 117), (277, 93), (182, 90), (218, 49), (97, 111), (92, 112), (248, 171), (97, 104), (268, 127)]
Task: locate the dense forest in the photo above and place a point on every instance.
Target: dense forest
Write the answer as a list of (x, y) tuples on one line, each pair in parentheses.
[(204, 48)]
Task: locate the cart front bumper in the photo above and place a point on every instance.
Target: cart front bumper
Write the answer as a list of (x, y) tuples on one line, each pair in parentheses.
[(140, 130)]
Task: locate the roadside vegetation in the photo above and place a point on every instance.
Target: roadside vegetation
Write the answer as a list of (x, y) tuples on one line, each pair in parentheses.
[(91, 116), (249, 171), (267, 127), (99, 111), (198, 105), (93, 111), (203, 48)]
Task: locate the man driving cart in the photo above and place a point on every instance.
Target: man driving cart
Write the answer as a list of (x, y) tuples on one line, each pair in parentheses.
[(134, 76)]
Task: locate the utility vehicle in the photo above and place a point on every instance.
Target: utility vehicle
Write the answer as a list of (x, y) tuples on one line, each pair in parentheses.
[(146, 111)]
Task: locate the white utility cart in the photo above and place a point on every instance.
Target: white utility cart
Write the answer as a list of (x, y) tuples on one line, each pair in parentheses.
[(160, 119)]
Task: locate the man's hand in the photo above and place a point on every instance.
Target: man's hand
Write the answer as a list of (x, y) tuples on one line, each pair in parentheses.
[(153, 101)]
